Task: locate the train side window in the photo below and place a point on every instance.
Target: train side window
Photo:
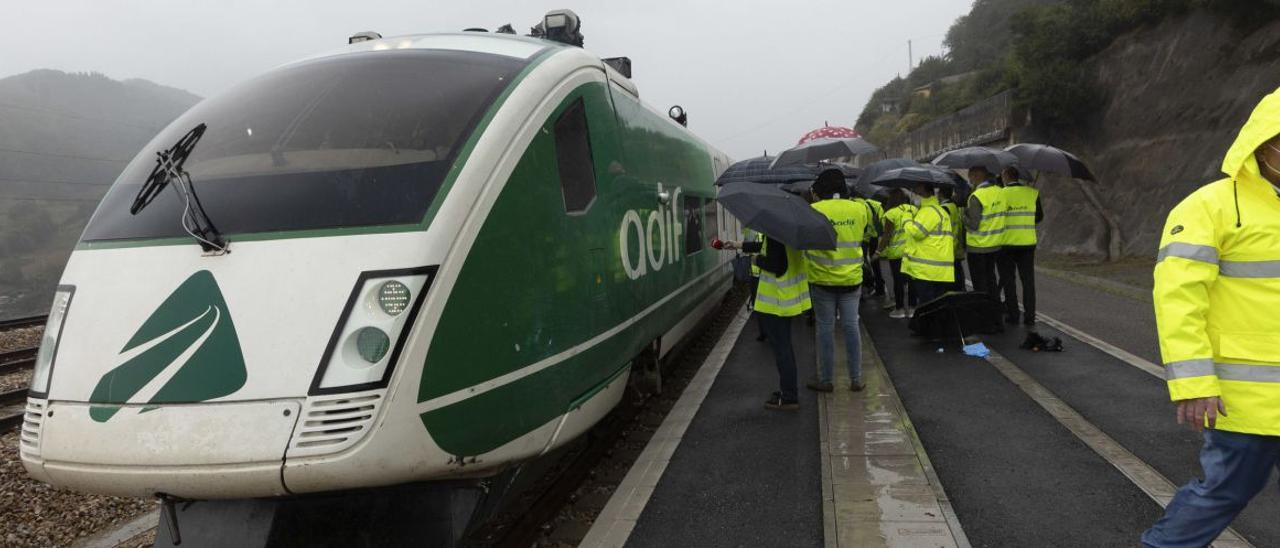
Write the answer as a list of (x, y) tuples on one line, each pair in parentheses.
[(573, 156), (692, 224)]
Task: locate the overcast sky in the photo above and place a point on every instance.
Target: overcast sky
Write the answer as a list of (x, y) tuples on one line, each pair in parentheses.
[(752, 75)]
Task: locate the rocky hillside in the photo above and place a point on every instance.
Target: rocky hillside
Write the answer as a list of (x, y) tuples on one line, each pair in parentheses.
[(1173, 97), (63, 139)]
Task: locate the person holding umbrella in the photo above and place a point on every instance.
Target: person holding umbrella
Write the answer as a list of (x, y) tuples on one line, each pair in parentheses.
[(930, 256), (984, 229), (1018, 246), (1217, 289), (835, 279), (893, 244), (789, 225)]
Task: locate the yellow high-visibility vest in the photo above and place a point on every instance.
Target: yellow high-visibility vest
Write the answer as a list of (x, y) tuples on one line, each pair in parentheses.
[(1020, 214), (989, 236), (1217, 287), (786, 295), (841, 266), (930, 252), (957, 227), (899, 216)]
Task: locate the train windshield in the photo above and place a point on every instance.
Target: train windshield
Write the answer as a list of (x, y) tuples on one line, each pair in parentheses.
[(355, 140)]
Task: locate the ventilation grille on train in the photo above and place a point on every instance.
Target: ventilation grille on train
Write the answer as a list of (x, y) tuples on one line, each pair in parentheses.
[(29, 438), (330, 424)]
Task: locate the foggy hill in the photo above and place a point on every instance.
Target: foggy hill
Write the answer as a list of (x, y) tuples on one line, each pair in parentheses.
[(64, 138)]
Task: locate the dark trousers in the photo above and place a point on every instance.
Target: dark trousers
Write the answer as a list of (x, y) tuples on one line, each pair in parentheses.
[(1236, 467), (902, 293), (1022, 260), (873, 278), (982, 269), (926, 291), (778, 329), (958, 285), (755, 283)]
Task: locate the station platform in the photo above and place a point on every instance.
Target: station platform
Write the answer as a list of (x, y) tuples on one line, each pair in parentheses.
[(847, 469), (1020, 448)]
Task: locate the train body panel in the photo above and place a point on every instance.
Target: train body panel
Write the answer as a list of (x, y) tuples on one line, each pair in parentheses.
[(567, 234)]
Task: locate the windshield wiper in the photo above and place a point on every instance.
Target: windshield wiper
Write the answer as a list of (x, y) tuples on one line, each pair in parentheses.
[(169, 170)]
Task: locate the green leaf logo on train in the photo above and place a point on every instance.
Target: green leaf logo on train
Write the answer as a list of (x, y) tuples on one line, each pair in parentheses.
[(655, 237), (187, 351)]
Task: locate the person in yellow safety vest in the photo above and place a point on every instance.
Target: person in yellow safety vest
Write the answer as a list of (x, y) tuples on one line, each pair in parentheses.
[(1217, 289), (749, 235), (835, 280), (984, 226), (1018, 246), (893, 244), (783, 294), (930, 257), (873, 275), (947, 197)]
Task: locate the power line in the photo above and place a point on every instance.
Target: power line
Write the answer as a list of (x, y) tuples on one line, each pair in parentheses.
[(52, 182), (65, 156), (77, 116)]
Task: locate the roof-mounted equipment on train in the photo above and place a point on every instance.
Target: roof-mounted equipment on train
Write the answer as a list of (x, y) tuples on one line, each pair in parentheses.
[(363, 37)]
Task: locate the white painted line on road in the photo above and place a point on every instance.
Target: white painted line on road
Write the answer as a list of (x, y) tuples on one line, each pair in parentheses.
[(1148, 479), (1104, 346), (613, 526), (126, 531), (1113, 350)]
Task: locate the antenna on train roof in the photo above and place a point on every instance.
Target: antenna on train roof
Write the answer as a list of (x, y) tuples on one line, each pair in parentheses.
[(363, 37)]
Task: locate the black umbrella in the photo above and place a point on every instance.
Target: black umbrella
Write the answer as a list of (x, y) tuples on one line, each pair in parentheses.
[(824, 148), (778, 214), (993, 159), (1050, 159), (909, 177), (863, 186), (756, 170), (956, 315)]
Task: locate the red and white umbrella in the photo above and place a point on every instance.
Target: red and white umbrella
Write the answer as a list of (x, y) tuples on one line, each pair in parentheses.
[(834, 132)]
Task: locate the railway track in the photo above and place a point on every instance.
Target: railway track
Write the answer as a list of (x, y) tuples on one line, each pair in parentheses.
[(13, 402)]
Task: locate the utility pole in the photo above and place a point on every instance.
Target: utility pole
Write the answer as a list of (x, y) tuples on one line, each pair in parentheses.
[(911, 60)]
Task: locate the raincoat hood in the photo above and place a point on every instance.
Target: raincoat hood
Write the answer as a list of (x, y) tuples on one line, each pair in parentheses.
[(1264, 124)]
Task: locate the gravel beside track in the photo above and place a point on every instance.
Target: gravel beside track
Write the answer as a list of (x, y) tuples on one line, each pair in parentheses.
[(16, 339), (35, 514), (15, 380)]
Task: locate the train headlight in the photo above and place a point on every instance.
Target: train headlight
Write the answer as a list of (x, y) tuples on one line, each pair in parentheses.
[(43, 369), (372, 330), (393, 297)]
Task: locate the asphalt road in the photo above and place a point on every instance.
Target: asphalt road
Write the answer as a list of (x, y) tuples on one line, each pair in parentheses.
[(1016, 476), (723, 486)]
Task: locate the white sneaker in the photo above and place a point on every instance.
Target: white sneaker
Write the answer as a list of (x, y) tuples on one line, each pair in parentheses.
[(911, 312), (898, 313)]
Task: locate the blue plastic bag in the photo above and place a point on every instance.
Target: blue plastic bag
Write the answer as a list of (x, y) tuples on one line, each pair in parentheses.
[(977, 350)]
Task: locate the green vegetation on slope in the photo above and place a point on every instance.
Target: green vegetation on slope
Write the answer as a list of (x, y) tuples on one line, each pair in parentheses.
[(1036, 46)]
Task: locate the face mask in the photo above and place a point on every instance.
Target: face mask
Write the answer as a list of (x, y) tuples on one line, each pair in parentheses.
[(1263, 160)]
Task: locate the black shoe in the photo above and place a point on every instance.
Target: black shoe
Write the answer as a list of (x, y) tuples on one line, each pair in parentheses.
[(761, 337), (820, 386), (857, 386), (777, 403), (1028, 321)]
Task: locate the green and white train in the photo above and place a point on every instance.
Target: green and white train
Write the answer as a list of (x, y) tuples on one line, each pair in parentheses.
[(447, 254)]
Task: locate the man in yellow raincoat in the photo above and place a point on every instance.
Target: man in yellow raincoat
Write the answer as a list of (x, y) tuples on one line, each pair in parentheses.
[(1217, 290)]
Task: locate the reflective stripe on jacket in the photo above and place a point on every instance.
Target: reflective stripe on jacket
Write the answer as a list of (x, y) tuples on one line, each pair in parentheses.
[(1217, 288), (1020, 214), (786, 295), (899, 216), (930, 251), (841, 266), (988, 237)]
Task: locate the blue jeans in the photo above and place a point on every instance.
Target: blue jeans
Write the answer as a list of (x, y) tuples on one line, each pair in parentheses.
[(824, 310), (778, 330), (1236, 467)]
